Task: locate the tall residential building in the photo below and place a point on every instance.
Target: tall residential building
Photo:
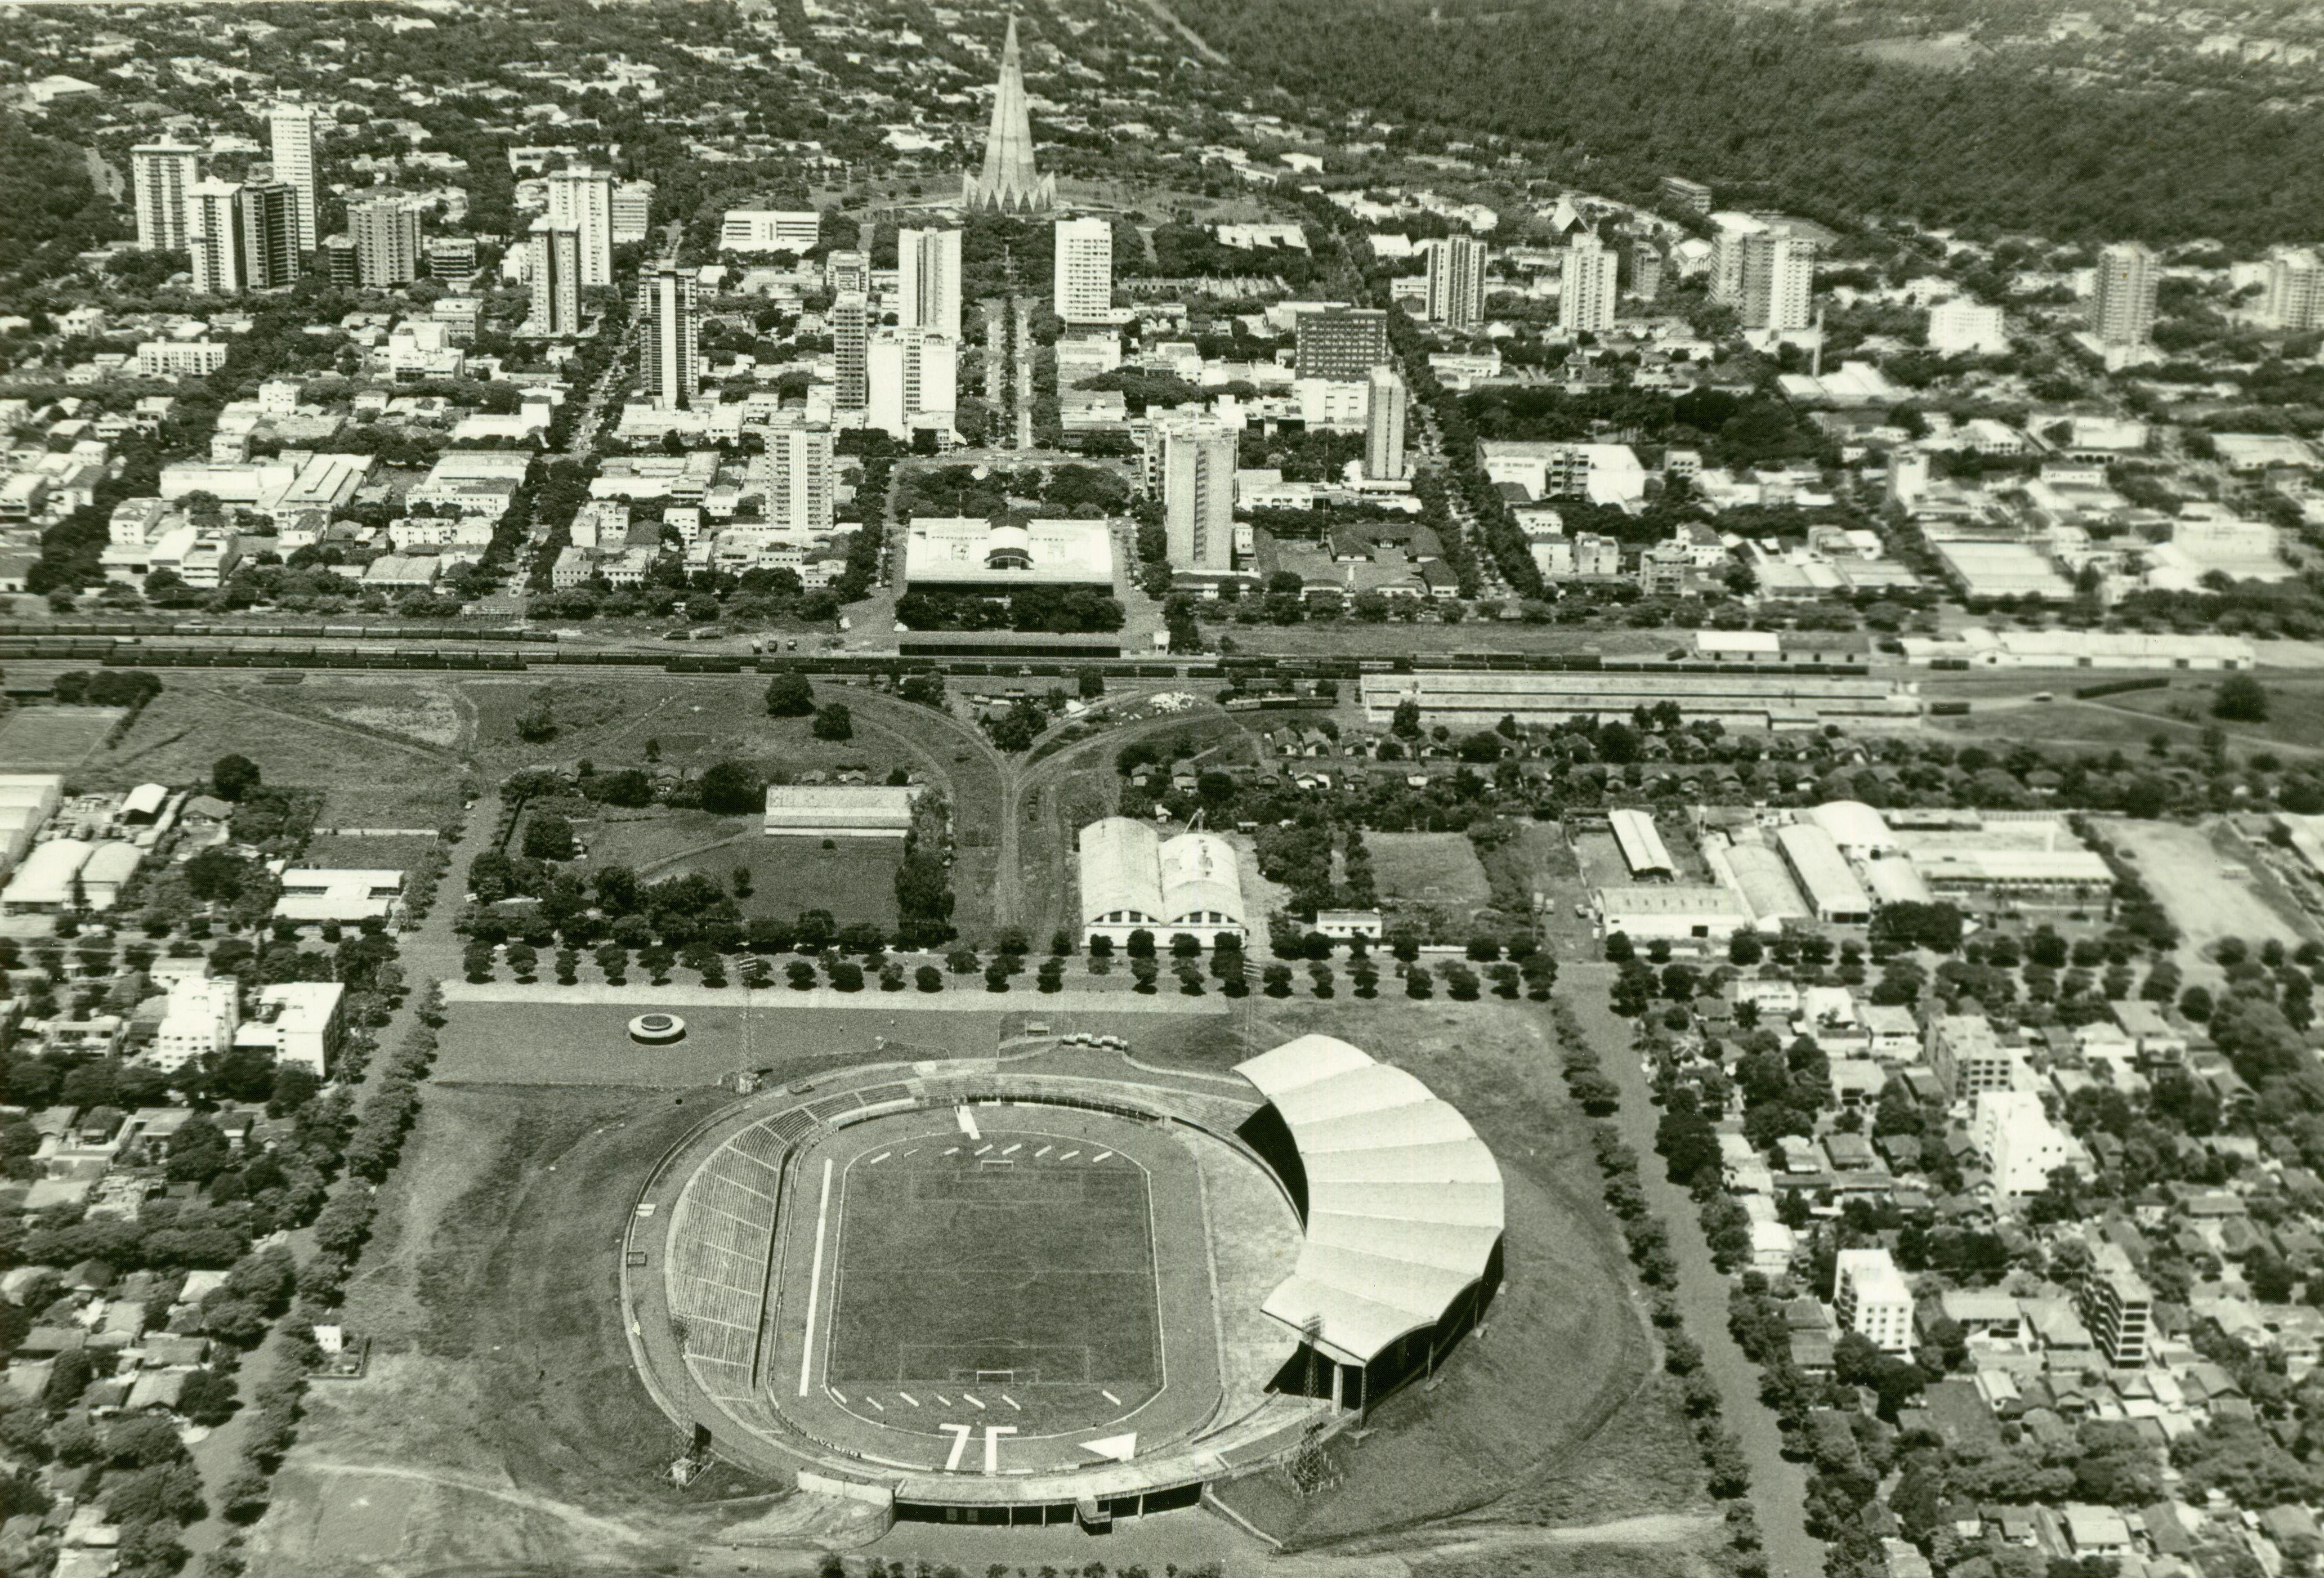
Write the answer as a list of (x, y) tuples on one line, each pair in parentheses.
[(2118, 1306), (2122, 296), (555, 272), (1198, 467), (1646, 270), (1872, 1299), (1779, 282), (341, 266), (796, 474), (1340, 342), (214, 236), (1585, 302), (160, 175), (847, 268), (1968, 1058), (241, 237), (910, 373), (927, 281), (1456, 281), (851, 339), (633, 211), (1083, 290), (1962, 328), (582, 199), (290, 132), (673, 328), (1009, 182), (386, 234), (2294, 299), (1384, 417)]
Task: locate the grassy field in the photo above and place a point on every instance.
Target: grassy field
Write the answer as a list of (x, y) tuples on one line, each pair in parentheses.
[(53, 739), (691, 721), (856, 879), (2185, 867), (1436, 869), (947, 1268), (369, 778)]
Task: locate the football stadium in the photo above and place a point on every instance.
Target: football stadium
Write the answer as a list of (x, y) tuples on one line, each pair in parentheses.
[(1058, 1286)]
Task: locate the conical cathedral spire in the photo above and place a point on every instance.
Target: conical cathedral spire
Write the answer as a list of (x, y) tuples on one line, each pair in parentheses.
[(1009, 182)]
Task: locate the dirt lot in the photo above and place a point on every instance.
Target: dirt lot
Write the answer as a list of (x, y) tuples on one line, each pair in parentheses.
[(372, 779), (2183, 866), (502, 1420), (53, 739)]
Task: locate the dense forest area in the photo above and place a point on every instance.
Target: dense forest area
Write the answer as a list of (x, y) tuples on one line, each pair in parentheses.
[(1777, 104)]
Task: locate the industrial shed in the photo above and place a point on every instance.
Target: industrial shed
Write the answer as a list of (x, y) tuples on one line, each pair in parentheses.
[(1641, 843), (839, 810), (1833, 894), (1401, 1205), (1756, 873), (1134, 879)]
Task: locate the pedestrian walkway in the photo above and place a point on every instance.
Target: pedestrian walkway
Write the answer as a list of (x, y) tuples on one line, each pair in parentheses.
[(965, 995)]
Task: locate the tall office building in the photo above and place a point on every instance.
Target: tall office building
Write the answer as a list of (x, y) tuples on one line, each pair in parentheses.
[(1456, 281), (796, 474), (582, 199), (290, 131), (911, 373), (1384, 417), (2295, 286), (161, 175), (1339, 342), (1009, 182), (1585, 301), (1198, 467), (1083, 290), (633, 211), (386, 234), (673, 338), (927, 281), (851, 337), (554, 265), (2122, 297)]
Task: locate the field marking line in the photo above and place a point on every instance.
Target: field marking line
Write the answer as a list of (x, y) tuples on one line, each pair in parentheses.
[(952, 1150), (876, 1160), (1012, 1402), (1014, 1150), (974, 1402), (992, 1434), (1043, 1152), (909, 1398), (1109, 1396), (942, 1398), (959, 1447), (1101, 1155), (836, 1393), (1069, 1155), (814, 1278), (981, 1149), (876, 1403)]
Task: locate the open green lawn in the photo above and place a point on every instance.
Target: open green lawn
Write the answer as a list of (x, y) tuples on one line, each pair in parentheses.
[(52, 739), (854, 879)]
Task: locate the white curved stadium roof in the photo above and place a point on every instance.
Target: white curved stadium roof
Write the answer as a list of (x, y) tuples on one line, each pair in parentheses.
[(1404, 1201), (1200, 879), (1853, 825)]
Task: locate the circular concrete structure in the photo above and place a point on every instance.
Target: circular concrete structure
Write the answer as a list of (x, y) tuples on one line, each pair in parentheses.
[(657, 1029)]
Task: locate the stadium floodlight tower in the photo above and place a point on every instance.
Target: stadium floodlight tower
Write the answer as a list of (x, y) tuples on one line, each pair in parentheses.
[(1009, 182)]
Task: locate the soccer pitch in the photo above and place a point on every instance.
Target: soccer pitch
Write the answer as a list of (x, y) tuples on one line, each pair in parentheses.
[(1031, 1270)]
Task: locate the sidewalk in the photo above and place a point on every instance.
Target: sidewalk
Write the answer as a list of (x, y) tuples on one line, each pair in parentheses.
[(957, 997)]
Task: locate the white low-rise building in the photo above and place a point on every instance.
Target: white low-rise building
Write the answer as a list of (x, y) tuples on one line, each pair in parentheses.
[(313, 896), (1871, 1299)]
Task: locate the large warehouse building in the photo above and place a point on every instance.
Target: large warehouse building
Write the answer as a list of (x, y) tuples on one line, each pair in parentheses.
[(1134, 879), (839, 810), (1401, 1208)]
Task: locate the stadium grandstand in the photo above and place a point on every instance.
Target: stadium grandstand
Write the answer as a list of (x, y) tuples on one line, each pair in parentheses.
[(1134, 879), (1401, 1208)]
